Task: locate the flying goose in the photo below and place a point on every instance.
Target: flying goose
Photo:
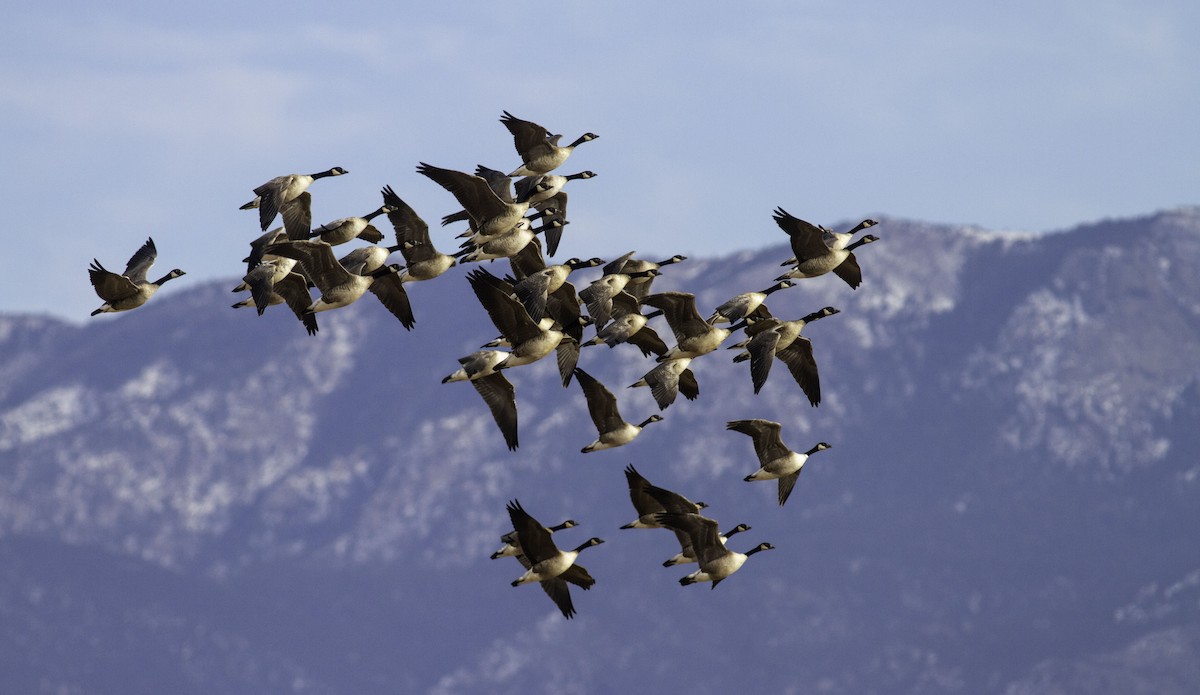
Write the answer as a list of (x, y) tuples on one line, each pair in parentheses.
[(542, 187), (270, 197), (128, 290), (339, 287), (834, 240), (504, 245), (602, 406), (847, 269), (496, 391), (423, 261), (342, 230), (648, 500), (490, 215), (562, 304), (530, 342), (639, 284), (745, 304), (545, 563), (693, 335), (716, 561), (687, 554), (501, 185), (534, 289), (629, 326), (813, 256), (540, 152), (267, 288), (364, 259), (668, 379), (777, 461), (599, 295), (770, 338), (511, 546)]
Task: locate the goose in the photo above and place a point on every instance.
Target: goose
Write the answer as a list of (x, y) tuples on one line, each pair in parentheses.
[(365, 259), (777, 461), (693, 335), (128, 290), (561, 309), (498, 181), (745, 304), (534, 289), (770, 338), (649, 500), (270, 197), (687, 554), (716, 561), (668, 379), (504, 245), (476, 365), (542, 187), (600, 293), (602, 406), (540, 152), (545, 563), (344, 229), (511, 546), (496, 391), (489, 213), (529, 341), (562, 304), (847, 269), (267, 288), (813, 257), (423, 261), (339, 287), (639, 285), (629, 326), (834, 240)]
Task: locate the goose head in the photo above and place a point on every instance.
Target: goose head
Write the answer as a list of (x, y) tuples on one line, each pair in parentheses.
[(758, 548), (653, 418), (170, 276), (589, 543), (865, 224)]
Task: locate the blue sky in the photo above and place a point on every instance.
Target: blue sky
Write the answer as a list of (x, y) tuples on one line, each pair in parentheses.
[(137, 120)]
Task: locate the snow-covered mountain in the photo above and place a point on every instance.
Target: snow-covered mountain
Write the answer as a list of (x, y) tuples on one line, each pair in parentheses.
[(198, 500)]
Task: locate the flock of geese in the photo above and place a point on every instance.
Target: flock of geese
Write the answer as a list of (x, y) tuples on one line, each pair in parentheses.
[(537, 311)]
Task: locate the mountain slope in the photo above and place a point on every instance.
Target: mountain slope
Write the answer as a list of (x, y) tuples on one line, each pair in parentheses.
[(1011, 479)]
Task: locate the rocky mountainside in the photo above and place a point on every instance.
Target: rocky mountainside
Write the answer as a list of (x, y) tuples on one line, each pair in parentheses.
[(197, 500)]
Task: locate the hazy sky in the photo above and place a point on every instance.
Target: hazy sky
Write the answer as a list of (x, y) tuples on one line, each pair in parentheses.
[(146, 119)]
